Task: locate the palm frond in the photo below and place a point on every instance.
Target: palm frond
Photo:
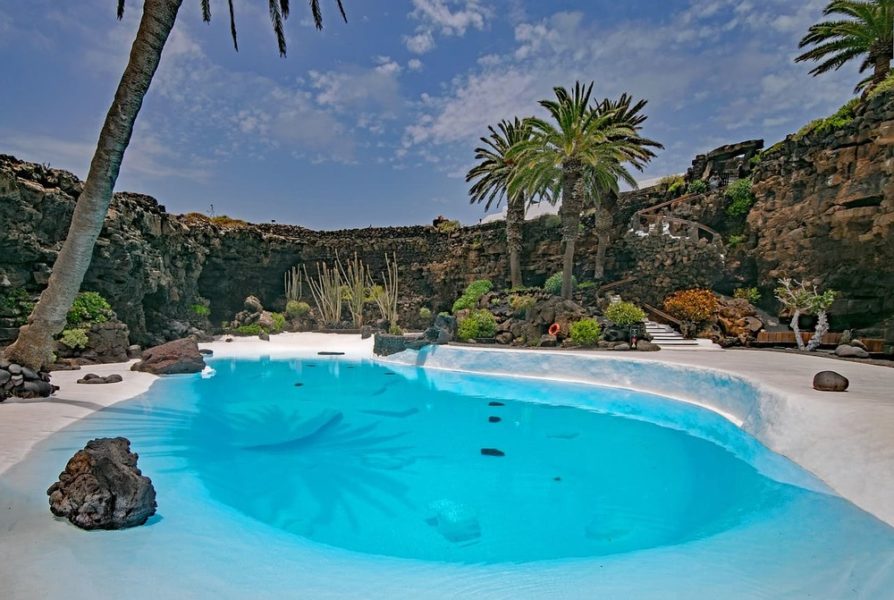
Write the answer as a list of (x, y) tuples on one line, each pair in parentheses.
[(233, 25), (276, 19), (206, 10), (120, 9)]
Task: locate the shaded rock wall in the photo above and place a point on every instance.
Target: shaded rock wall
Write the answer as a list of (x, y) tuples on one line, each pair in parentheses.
[(825, 213)]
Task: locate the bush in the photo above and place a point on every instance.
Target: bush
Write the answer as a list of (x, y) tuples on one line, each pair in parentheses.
[(735, 240), (885, 86), (697, 187), (520, 305), (740, 198), (296, 309), (551, 221), (89, 308), (252, 329), (200, 310), (447, 226), (395, 329), (695, 305), (585, 332), (479, 324), (473, 293), (553, 285), (624, 314), (842, 117), (425, 314), (279, 322), (753, 295), (74, 338)]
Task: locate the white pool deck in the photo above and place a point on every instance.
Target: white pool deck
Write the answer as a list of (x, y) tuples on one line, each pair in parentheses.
[(846, 439)]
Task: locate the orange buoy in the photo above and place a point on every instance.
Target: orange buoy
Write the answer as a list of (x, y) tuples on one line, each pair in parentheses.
[(554, 329)]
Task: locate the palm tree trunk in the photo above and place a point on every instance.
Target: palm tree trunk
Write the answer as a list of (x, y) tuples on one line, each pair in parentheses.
[(572, 203), (34, 346), (515, 219), (603, 223), (882, 68)]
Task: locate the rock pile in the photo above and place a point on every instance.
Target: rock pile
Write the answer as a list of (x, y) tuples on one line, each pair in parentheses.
[(93, 378), (253, 313), (16, 380), (102, 488)]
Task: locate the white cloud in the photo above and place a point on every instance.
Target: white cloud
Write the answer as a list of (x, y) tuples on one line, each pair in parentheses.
[(420, 43), (414, 64), (445, 17)]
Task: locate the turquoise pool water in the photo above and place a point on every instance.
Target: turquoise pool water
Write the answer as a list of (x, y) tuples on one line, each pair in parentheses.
[(335, 478)]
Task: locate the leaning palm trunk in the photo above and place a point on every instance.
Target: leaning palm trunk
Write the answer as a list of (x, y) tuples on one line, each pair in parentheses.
[(572, 203), (515, 220), (34, 346), (603, 235)]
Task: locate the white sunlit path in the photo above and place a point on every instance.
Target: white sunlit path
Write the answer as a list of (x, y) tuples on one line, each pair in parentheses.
[(216, 512)]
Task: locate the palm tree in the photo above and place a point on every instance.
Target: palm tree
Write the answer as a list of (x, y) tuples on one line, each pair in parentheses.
[(867, 31), (581, 154), (493, 173), (34, 346)]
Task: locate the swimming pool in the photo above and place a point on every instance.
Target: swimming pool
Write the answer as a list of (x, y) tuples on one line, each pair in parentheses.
[(330, 477)]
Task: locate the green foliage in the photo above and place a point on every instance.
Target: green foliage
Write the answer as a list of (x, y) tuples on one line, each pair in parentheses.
[(842, 117), (200, 310), (89, 308), (585, 332), (885, 86), (551, 221), (521, 304), (425, 314), (807, 299), (479, 324), (753, 295), (447, 226), (279, 322), (697, 187), (673, 184), (252, 329), (585, 285), (395, 329), (756, 159), (553, 285), (735, 240), (740, 197), (75, 338), (624, 314), (295, 309), (16, 304), (473, 293)]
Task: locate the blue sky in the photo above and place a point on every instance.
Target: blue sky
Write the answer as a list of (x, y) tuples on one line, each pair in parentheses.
[(374, 122)]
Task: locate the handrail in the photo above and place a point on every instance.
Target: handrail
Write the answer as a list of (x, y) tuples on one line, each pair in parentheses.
[(614, 284), (658, 218), (679, 200), (663, 315)]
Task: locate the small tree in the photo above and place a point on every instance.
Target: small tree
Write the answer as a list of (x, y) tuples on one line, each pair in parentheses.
[(803, 300)]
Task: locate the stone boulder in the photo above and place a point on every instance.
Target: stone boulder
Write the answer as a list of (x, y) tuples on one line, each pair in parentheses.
[(845, 351), (253, 305), (179, 356), (93, 378), (102, 488), (647, 346), (16, 380), (830, 381)]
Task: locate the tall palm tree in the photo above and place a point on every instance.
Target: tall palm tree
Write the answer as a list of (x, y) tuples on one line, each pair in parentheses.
[(493, 173), (34, 346), (866, 30), (582, 151)]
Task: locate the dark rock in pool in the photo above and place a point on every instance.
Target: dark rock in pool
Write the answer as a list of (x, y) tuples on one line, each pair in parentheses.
[(179, 356), (206, 351), (494, 419), (326, 353), (298, 384), (830, 381), (492, 452), (495, 403), (102, 488)]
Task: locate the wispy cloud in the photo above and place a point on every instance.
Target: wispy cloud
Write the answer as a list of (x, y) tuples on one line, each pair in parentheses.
[(444, 17)]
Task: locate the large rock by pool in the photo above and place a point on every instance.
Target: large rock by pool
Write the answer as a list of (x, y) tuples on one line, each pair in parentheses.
[(179, 356)]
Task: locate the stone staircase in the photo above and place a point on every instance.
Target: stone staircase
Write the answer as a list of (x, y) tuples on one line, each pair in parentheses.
[(667, 337)]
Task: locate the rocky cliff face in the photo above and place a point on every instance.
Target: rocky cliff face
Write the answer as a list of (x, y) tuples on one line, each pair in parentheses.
[(825, 213)]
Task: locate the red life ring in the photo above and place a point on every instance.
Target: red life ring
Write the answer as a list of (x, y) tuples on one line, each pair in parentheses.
[(554, 329)]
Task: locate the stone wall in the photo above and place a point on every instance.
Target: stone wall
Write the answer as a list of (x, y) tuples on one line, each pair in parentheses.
[(825, 213)]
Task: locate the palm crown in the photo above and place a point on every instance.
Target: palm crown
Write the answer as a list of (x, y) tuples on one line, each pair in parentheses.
[(865, 29), (279, 11), (495, 169)]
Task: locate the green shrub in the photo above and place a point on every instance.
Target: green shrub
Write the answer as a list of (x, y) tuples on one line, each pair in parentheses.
[(885, 86), (752, 294), (252, 329), (473, 293), (585, 332), (842, 117), (74, 338), (673, 184), (89, 308), (447, 226), (624, 314), (520, 305), (296, 309), (553, 285), (479, 324), (551, 221), (279, 322), (585, 285), (424, 314), (200, 310), (395, 329), (740, 198), (735, 240), (697, 187)]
